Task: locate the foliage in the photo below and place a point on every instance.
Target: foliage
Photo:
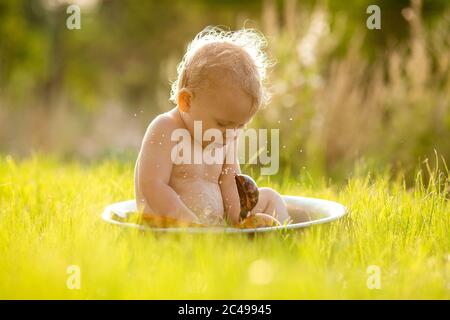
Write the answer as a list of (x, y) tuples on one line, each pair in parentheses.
[(342, 93), (50, 220)]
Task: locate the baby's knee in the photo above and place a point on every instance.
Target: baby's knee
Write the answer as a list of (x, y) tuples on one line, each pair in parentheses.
[(268, 193), (275, 204)]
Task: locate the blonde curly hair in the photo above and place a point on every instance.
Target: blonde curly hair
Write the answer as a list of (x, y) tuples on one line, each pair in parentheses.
[(235, 55)]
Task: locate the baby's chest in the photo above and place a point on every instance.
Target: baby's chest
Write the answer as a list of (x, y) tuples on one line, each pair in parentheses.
[(209, 172)]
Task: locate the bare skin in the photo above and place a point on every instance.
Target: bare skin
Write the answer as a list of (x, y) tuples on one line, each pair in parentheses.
[(204, 193)]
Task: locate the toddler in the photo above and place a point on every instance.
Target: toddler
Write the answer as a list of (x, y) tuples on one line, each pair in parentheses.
[(220, 86)]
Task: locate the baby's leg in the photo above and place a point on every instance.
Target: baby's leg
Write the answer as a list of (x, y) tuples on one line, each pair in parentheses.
[(270, 202)]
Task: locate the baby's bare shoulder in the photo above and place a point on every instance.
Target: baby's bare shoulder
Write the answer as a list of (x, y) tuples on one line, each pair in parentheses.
[(162, 126)]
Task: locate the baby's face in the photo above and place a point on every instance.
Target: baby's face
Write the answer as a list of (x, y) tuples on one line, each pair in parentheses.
[(222, 106)]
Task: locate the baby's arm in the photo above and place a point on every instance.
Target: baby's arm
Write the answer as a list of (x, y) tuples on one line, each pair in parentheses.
[(229, 190), (154, 169)]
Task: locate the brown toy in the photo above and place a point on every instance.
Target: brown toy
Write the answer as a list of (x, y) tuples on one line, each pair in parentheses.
[(248, 193), (248, 196)]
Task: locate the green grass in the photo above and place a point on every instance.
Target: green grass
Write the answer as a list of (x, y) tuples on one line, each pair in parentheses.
[(50, 219)]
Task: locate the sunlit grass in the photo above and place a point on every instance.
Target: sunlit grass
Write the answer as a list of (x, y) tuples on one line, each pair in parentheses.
[(50, 219)]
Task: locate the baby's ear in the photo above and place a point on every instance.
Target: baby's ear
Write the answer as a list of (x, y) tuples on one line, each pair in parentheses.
[(184, 100)]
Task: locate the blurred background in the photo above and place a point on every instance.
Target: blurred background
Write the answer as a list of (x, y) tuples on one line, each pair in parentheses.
[(342, 94)]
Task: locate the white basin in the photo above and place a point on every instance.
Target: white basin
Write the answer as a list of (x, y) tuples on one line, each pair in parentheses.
[(304, 211)]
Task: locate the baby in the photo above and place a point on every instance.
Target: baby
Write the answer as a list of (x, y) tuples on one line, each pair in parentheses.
[(220, 86)]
